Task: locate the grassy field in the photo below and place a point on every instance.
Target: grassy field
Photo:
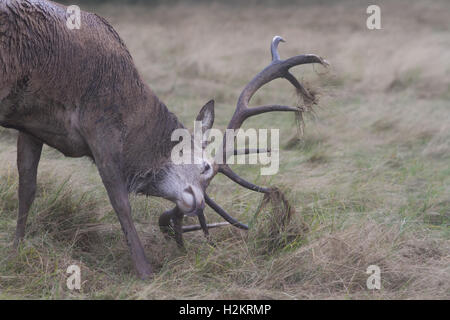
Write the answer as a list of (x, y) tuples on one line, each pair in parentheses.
[(370, 180)]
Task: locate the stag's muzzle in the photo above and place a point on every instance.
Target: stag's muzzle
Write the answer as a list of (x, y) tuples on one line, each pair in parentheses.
[(192, 201)]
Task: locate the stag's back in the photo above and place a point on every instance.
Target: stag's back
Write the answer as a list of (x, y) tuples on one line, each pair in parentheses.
[(58, 82), (41, 55)]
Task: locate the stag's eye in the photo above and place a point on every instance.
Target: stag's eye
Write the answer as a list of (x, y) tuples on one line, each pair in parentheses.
[(206, 168)]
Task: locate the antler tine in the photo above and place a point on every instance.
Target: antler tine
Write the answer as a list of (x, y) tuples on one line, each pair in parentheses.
[(226, 170), (197, 227), (274, 47), (169, 216), (210, 202), (245, 151), (298, 85), (168, 223)]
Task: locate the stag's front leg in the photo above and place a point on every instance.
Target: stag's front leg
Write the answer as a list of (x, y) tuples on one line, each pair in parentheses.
[(28, 154), (118, 195)]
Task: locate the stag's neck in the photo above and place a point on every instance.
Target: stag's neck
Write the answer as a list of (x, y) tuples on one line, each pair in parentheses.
[(147, 143)]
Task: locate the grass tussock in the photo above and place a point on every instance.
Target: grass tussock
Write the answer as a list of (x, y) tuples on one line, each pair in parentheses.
[(271, 227)]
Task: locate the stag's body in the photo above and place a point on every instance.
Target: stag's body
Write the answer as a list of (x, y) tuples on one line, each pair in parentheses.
[(79, 92), (76, 90)]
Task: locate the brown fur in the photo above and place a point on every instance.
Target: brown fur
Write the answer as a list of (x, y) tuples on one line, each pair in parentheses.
[(78, 89), (79, 92)]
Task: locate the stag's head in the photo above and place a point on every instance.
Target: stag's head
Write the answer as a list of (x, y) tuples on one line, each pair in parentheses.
[(190, 169), (192, 179)]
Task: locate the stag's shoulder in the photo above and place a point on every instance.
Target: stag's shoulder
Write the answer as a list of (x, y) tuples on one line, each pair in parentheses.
[(29, 17), (109, 29), (29, 8)]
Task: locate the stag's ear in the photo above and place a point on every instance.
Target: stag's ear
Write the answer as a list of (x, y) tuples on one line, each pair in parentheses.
[(206, 116)]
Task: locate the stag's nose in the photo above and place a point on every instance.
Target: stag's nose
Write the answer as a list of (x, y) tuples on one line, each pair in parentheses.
[(192, 200)]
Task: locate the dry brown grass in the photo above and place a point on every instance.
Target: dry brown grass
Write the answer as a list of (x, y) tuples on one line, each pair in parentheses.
[(370, 180)]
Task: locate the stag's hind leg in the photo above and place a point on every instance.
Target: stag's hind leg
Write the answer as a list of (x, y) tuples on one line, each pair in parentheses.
[(28, 155)]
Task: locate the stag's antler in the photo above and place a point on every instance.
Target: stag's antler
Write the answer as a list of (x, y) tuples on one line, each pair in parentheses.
[(276, 69)]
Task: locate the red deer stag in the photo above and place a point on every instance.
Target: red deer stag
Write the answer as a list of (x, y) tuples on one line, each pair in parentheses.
[(79, 92)]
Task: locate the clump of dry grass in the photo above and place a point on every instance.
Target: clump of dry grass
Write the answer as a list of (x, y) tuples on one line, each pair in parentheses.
[(271, 229)]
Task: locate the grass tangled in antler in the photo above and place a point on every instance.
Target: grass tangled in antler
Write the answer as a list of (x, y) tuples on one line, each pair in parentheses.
[(307, 98), (272, 227)]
